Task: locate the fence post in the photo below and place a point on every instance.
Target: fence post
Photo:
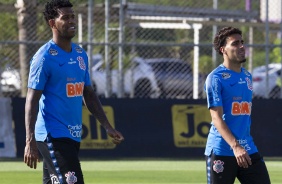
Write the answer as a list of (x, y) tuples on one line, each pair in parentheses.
[(27, 33)]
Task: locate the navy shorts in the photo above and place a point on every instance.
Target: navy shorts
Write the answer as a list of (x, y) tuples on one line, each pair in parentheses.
[(61, 164), (224, 170)]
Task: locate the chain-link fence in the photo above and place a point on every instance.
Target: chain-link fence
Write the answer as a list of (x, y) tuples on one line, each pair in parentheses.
[(147, 48)]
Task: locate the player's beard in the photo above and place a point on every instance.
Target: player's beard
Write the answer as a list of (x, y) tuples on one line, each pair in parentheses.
[(243, 61), (65, 34)]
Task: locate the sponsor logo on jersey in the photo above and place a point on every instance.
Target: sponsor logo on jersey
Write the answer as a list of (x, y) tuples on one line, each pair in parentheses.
[(54, 179), (81, 63), (62, 63), (241, 108), (233, 84), (75, 89), (226, 75), (75, 131), (78, 50), (71, 178), (237, 98), (215, 92), (53, 52), (71, 61), (218, 166), (71, 79), (244, 144), (241, 81)]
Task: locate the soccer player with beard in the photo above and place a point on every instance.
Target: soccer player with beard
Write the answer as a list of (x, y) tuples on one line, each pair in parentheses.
[(58, 84), (230, 149)]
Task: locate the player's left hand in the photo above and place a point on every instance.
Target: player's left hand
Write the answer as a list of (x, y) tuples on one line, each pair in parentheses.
[(242, 157), (116, 135)]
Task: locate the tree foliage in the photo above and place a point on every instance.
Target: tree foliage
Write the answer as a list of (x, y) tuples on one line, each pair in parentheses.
[(9, 31)]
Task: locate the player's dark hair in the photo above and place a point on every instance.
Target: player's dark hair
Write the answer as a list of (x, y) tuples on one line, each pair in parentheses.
[(51, 8), (221, 36)]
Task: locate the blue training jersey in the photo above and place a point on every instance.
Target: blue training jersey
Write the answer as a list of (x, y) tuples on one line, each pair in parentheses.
[(233, 92), (61, 76)]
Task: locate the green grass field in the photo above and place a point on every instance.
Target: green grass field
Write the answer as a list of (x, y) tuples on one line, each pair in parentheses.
[(128, 172)]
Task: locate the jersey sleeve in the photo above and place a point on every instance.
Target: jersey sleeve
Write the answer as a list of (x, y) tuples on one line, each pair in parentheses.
[(87, 78), (87, 81), (38, 74), (213, 91)]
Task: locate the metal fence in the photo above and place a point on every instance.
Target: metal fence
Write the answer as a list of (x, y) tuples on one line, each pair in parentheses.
[(147, 48)]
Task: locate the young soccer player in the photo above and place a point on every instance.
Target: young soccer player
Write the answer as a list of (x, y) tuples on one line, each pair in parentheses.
[(230, 150)]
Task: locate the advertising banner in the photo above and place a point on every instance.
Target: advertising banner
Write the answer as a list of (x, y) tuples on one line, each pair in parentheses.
[(158, 128), (7, 138)]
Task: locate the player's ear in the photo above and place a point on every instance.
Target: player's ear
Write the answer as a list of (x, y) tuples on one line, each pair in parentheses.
[(222, 50), (51, 23)]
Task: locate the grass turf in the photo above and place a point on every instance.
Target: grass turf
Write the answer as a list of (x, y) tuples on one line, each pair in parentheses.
[(128, 172)]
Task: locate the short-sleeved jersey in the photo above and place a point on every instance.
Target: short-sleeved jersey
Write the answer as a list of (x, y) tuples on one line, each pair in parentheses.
[(233, 92), (61, 76)]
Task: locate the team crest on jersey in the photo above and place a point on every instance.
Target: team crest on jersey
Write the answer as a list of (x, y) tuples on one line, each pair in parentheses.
[(54, 179), (81, 63), (78, 50), (249, 83), (226, 75), (53, 52), (71, 178), (218, 166)]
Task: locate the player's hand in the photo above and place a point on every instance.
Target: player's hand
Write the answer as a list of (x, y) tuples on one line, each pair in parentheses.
[(116, 135), (242, 157), (31, 156)]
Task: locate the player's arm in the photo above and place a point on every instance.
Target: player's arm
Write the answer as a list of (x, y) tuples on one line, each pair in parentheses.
[(243, 158), (94, 105), (31, 156)]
